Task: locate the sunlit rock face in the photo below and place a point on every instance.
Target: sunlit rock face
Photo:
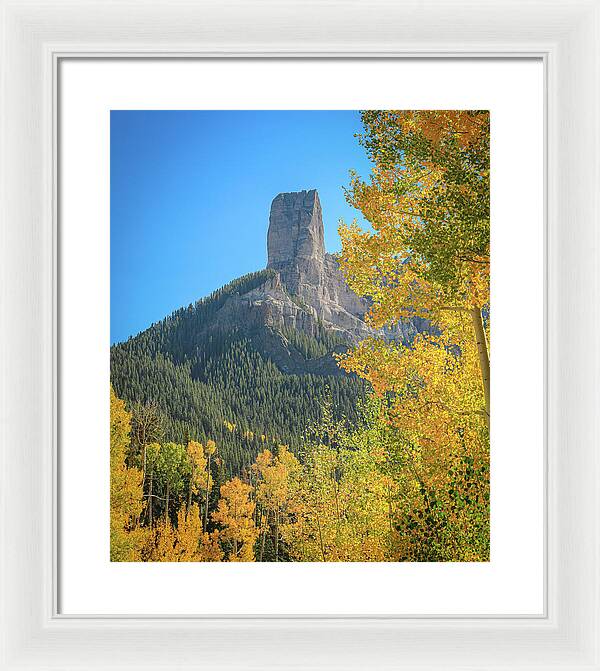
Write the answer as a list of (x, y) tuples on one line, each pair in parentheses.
[(305, 291), (295, 245), (296, 251)]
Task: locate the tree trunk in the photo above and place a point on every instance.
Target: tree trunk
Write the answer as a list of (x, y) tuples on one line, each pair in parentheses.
[(205, 525), (320, 537), (389, 502), (150, 501), (264, 535), (277, 536), (189, 501), (167, 504), (484, 359)]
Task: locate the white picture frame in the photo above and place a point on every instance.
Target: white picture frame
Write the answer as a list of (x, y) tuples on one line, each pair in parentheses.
[(35, 36)]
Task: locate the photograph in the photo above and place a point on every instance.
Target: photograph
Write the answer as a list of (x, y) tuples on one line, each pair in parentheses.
[(299, 336)]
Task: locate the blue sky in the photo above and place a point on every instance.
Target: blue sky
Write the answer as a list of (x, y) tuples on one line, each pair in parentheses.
[(191, 193)]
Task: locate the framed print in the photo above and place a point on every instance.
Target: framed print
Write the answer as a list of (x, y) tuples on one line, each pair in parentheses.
[(300, 336), (262, 362)]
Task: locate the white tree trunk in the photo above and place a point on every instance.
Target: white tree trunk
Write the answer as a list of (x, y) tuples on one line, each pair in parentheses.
[(484, 358)]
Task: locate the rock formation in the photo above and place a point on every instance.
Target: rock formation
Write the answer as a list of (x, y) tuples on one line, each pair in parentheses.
[(295, 244), (258, 351), (296, 251), (306, 290)]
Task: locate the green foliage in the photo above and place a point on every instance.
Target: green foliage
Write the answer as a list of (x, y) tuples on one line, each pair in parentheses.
[(453, 207), (198, 381), (355, 494), (172, 469), (365, 494), (312, 347)]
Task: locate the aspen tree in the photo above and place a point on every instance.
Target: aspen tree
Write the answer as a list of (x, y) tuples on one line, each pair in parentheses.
[(235, 516), (126, 494), (428, 205)]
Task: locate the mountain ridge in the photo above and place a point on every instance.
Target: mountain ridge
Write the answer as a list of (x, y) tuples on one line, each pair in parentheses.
[(257, 353), (305, 289)]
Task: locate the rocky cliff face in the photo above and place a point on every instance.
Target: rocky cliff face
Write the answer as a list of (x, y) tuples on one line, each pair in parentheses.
[(295, 245), (296, 251), (306, 290)]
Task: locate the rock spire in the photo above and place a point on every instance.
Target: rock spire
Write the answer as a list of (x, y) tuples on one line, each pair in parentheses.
[(295, 244)]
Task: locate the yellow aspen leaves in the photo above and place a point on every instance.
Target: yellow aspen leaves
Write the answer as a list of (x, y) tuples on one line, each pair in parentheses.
[(235, 516), (126, 495)]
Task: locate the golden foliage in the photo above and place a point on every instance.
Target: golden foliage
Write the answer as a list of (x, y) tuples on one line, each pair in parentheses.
[(428, 205), (235, 516), (274, 476), (126, 495), (185, 542), (428, 256), (200, 479)]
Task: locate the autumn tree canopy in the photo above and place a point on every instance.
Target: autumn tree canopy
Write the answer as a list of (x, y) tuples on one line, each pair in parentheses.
[(428, 204)]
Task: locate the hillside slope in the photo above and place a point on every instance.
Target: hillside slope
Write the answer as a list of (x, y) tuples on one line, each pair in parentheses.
[(251, 365)]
